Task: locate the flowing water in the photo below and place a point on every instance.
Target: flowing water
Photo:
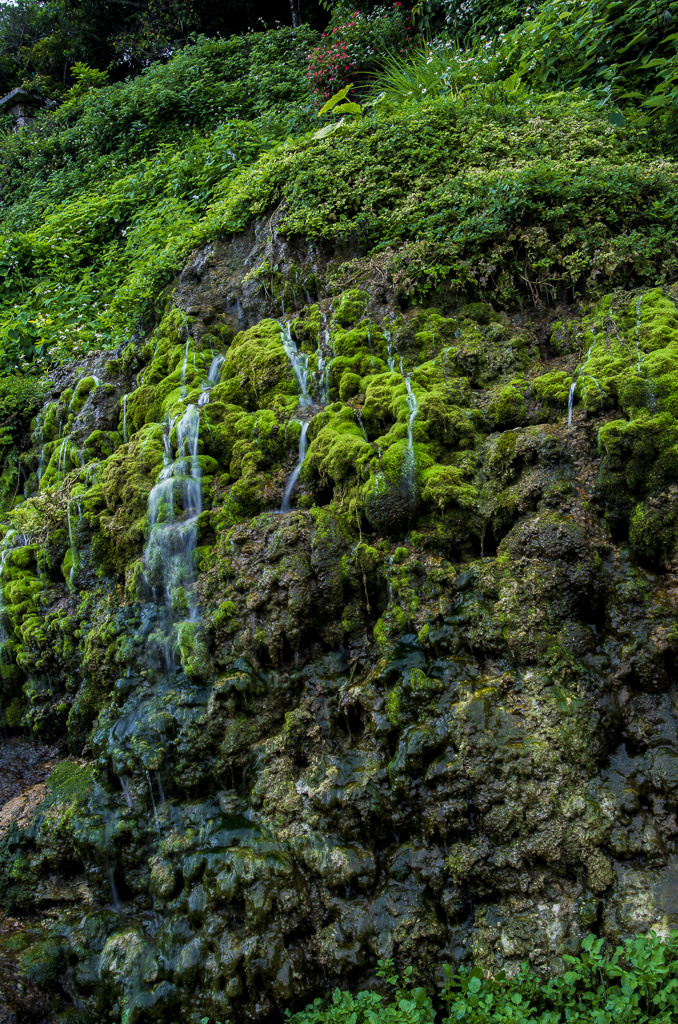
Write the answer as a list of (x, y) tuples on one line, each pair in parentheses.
[(212, 379), (289, 486), (570, 402), (573, 385), (637, 331), (413, 408), (173, 509), (71, 538), (298, 362), (184, 365), (174, 504)]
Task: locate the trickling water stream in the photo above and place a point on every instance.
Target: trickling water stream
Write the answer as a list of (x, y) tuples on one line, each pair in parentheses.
[(294, 476), (573, 386), (411, 399), (298, 362), (212, 379), (173, 509)]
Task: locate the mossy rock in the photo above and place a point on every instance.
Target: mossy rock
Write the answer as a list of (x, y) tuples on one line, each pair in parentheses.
[(552, 389)]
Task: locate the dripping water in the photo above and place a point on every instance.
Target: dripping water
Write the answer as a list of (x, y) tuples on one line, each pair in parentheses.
[(155, 810), (289, 486), (212, 379), (298, 362), (573, 385), (173, 509)]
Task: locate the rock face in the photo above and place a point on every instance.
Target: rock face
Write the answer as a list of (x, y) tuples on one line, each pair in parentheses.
[(429, 713)]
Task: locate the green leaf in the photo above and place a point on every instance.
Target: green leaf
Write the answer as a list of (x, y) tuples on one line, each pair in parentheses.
[(348, 108), (328, 129), (333, 100)]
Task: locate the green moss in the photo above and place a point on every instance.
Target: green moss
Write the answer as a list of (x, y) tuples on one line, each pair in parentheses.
[(14, 713), (193, 650), (350, 307), (445, 487), (349, 386), (71, 782), (43, 964), (552, 389), (393, 706), (338, 451), (639, 455), (258, 357), (653, 532), (82, 392), (507, 407)]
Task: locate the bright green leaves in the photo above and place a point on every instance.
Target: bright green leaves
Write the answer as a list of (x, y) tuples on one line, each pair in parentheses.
[(334, 100), (335, 105), (635, 982)]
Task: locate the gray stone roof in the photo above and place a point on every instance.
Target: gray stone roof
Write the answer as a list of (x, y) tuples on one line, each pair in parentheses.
[(22, 96)]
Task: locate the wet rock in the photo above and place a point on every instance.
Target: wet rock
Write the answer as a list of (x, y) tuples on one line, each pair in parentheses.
[(429, 713)]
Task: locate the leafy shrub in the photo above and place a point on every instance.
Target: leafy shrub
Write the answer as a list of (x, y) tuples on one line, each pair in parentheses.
[(95, 136), (20, 397), (625, 52), (353, 48), (441, 68), (409, 1005), (637, 982)]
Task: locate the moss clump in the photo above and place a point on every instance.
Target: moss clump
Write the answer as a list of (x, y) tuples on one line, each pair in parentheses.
[(508, 408), (552, 389), (349, 386), (71, 782), (43, 964), (350, 307)]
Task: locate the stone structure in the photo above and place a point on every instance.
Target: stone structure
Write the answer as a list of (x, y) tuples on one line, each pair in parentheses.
[(22, 104)]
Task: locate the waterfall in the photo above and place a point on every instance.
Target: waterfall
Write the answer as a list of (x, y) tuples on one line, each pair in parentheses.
[(61, 460), (173, 509), (298, 362), (70, 536), (155, 810), (413, 408), (185, 364), (289, 486), (212, 379), (570, 401), (360, 423), (215, 369), (321, 367), (391, 358), (639, 319), (573, 385), (124, 419)]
